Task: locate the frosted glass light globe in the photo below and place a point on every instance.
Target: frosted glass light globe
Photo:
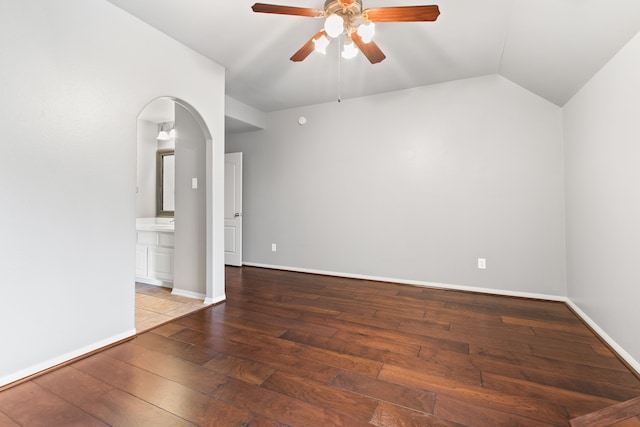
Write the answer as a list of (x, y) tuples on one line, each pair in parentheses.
[(366, 32), (320, 44), (349, 51), (334, 26)]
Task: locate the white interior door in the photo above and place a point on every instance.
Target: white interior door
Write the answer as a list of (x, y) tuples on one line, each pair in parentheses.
[(233, 209)]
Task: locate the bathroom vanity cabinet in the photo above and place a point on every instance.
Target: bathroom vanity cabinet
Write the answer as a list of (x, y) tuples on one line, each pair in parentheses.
[(154, 257)]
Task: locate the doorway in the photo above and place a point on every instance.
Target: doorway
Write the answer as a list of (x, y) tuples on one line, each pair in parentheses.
[(233, 209), (172, 236)]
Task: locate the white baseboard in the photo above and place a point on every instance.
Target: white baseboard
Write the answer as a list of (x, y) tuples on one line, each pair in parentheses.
[(414, 282), (31, 370), (215, 300), (183, 293), (155, 282), (188, 294), (605, 337), (594, 326)]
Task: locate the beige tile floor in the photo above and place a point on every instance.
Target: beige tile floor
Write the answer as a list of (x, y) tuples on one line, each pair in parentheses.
[(155, 305)]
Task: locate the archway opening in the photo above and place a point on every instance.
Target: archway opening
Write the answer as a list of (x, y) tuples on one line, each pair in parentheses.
[(173, 212)]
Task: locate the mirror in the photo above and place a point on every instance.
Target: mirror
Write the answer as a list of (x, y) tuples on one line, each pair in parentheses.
[(165, 182)]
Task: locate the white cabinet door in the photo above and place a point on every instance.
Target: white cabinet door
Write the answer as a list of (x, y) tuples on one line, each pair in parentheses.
[(165, 240), (160, 263)]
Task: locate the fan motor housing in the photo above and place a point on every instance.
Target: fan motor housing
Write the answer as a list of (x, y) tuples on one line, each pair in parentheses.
[(346, 10)]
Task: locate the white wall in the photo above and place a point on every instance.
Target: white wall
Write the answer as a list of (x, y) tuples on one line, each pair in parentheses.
[(602, 137), (243, 116), (74, 76), (190, 224), (413, 185), (146, 169)]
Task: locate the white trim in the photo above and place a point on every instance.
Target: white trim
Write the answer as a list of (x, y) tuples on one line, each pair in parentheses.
[(24, 373), (154, 282), (188, 294), (634, 364), (414, 282), (210, 301)]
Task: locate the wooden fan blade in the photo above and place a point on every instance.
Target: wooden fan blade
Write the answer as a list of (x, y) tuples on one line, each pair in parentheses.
[(287, 10), (401, 14), (370, 50), (307, 48)]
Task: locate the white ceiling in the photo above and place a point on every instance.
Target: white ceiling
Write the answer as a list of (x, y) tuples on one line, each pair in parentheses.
[(550, 47)]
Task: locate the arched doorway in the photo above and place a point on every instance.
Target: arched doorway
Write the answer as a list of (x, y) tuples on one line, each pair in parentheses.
[(173, 212)]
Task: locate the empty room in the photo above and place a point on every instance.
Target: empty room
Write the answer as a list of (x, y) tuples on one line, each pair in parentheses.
[(423, 214)]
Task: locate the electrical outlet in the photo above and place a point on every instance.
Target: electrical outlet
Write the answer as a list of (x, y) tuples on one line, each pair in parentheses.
[(273, 247), (482, 263)]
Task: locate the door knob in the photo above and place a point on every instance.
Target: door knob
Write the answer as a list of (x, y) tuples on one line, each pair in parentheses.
[(237, 214)]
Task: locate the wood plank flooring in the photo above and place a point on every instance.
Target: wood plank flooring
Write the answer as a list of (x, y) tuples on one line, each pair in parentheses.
[(294, 349), (625, 414)]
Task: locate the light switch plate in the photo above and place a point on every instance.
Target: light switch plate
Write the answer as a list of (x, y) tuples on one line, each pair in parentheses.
[(194, 183)]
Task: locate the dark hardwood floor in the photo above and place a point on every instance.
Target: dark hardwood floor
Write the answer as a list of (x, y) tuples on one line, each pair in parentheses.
[(293, 349)]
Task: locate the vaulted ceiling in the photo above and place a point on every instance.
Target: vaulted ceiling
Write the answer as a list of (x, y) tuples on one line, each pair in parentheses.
[(550, 47)]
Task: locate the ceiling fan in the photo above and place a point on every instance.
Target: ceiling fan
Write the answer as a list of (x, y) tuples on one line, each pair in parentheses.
[(347, 17)]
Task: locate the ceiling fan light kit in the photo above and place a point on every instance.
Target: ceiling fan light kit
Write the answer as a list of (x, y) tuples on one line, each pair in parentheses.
[(347, 17), (349, 50), (367, 31), (334, 25), (321, 43)]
